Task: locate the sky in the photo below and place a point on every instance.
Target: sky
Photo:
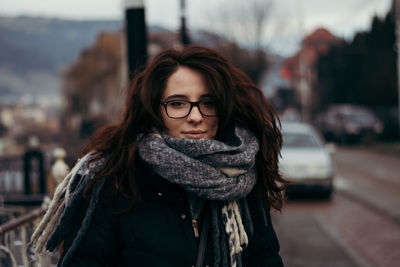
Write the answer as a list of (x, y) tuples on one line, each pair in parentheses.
[(289, 21)]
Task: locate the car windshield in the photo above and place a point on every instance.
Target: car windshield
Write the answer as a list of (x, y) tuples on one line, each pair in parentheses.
[(299, 140), (359, 118)]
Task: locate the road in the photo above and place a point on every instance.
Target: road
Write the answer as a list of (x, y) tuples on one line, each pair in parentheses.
[(359, 226)]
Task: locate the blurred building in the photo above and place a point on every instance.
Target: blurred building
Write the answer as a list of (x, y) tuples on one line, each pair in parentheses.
[(21, 121), (95, 86), (161, 39), (300, 69)]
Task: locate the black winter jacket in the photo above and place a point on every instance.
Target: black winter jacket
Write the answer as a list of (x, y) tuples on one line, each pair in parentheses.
[(158, 231)]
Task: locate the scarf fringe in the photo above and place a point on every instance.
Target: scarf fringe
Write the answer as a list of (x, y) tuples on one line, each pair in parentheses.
[(237, 236), (47, 226)]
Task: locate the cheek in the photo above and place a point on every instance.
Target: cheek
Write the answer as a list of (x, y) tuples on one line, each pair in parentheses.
[(168, 122), (213, 125), (172, 126)]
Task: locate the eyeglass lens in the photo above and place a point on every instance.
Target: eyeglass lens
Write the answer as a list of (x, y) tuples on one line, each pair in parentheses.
[(182, 108)]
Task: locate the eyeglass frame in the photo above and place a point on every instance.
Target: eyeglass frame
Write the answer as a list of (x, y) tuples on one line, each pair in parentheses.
[(192, 104)]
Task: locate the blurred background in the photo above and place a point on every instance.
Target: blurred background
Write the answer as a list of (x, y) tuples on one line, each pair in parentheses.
[(330, 68)]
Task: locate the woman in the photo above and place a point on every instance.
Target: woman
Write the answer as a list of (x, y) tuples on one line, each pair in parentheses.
[(185, 178)]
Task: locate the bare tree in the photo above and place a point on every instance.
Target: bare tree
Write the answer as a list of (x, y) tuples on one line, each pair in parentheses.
[(242, 21)]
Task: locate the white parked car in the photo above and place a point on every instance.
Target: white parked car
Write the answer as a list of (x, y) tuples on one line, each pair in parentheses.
[(306, 161)]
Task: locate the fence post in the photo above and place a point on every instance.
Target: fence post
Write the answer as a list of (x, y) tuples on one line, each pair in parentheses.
[(59, 169), (32, 156)]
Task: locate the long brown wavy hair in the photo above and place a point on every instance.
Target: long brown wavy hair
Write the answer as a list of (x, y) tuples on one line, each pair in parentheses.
[(238, 101)]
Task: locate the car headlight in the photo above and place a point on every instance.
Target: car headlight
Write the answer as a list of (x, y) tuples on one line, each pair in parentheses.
[(378, 127), (321, 170), (352, 129), (306, 171)]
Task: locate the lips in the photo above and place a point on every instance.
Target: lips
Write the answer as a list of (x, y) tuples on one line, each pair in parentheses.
[(194, 134)]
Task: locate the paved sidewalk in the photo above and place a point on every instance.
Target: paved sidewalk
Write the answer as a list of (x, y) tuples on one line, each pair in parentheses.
[(370, 178), (374, 237)]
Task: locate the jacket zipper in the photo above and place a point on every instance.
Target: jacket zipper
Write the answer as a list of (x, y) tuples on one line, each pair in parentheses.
[(195, 228)]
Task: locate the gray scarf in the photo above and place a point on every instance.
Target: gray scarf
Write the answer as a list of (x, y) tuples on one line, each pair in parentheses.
[(221, 171)]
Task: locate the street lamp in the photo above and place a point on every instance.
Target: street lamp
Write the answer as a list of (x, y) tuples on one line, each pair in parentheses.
[(135, 27), (396, 9)]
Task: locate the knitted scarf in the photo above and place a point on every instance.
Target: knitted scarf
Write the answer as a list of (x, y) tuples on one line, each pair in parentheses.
[(220, 171)]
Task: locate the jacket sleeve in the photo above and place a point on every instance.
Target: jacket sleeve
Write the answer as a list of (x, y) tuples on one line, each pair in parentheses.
[(263, 247), (98, 246)]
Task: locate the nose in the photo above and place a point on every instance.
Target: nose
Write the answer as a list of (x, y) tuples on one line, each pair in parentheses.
[(195, 115)]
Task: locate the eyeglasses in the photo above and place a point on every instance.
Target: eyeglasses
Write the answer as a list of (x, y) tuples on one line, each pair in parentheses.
[(178, 109)]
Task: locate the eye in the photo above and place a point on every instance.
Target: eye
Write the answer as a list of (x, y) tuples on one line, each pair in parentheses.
[(208, 103), (177, 104)]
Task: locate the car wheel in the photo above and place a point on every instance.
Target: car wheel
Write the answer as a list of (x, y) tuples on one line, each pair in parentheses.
[(327, 194)]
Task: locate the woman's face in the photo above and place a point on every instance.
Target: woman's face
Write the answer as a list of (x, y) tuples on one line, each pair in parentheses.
[(188, 85)]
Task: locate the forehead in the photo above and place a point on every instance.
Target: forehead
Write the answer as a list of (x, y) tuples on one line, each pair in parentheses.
[(186, 82)]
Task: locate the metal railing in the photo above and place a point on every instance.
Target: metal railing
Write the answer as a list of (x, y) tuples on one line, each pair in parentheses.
[(15, 235), (17, 223), (11, 175)]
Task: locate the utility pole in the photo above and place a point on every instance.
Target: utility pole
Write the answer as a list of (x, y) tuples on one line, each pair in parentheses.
[(185, 39), (396, 11), (304, 88), (136, 37)]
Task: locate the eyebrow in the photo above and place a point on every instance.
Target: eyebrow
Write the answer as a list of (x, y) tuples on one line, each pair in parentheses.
[(175, 96), (184, 96)]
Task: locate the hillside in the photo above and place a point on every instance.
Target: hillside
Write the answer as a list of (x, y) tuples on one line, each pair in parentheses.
[(33, 52)]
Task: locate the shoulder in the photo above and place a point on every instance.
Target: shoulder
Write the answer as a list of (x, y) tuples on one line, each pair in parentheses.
[(84, 170), (90, 163)]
